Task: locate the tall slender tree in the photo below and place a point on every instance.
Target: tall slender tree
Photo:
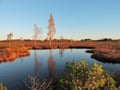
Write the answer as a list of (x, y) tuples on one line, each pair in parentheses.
[(37, 33), (51, 29)]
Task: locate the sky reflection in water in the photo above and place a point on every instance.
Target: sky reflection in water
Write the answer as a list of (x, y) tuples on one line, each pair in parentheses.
[(45, 63)]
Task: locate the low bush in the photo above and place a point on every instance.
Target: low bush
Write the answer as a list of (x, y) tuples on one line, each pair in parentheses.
[(81, 76)]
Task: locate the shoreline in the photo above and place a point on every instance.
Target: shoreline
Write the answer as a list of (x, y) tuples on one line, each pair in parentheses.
[(10, 54), (101, 51), (105, 56)]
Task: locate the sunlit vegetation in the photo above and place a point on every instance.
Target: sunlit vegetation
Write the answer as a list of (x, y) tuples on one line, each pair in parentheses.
[(2, 87), (102, 50), (11, 53), (107, 51), (37, 33), (81, 76), (51, 29)]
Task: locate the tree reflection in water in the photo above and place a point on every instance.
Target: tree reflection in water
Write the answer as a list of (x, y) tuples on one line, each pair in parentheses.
[(61, 52), (37, 63), (51, 65)]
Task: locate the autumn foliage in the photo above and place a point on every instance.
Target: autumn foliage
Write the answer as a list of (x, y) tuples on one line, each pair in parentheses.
[(11, 53)]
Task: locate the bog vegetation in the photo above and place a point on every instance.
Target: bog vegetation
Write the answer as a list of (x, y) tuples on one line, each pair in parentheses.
[(81, 76)]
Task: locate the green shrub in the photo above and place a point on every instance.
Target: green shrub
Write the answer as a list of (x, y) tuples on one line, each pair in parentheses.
[(81, 76)]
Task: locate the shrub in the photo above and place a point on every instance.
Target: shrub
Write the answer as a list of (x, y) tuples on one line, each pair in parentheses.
[(81, 76), (35, 84)]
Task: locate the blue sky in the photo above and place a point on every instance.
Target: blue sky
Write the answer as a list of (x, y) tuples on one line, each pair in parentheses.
[(74, 19)]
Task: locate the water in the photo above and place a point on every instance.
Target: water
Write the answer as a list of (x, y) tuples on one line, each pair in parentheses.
[(45, 63)]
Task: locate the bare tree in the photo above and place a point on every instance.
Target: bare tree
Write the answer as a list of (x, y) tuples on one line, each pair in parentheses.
[(51, 29), (9, 37), (33, 83), (37, 33)]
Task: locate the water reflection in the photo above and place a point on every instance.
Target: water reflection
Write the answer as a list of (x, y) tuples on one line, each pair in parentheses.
[(61, 52), (48, 63), (71, 50), (37, 63), (51, 65)]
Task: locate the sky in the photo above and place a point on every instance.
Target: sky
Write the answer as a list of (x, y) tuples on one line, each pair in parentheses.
[(74, 19)]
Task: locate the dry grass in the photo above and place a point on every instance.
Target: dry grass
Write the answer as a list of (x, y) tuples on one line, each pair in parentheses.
[(109, 49)]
